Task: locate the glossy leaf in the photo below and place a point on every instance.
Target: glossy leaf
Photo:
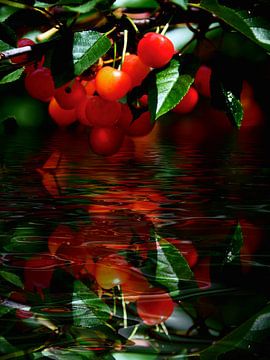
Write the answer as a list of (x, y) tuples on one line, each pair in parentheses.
[(88, 47), (72, 353), (168, 86), (236, 244), (12, 278), (171, 266), (88, 309), (13, 76), (4, 46), (255, 28)]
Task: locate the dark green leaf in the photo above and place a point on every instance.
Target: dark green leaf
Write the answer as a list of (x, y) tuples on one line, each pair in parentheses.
[(4, 46), (13, 76), (171, 266), (182, 3), (235, 245), (255, 28), (88, 47), (5, 346), (4, 310), (140, 4), (254, 330), (88, 309), (83, 8), (168, 86), (12, 278), (8, 35)]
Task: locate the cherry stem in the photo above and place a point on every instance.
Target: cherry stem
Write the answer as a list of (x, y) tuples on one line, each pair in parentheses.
[(134, 331), (164, 329), (163, 32), (124, 48), (133, 24), (114, 53), (124, 311)]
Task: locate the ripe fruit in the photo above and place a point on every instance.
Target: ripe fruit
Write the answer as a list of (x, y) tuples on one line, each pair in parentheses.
[(101, 112), (61, 116), (106, 140), (112, 270), (155, 50), (69, 95), (155, 307), (188, 102), (135, 68), (202, 80), (112, 84), (139, 127), (136, 285), (24, 57), (39, 84)]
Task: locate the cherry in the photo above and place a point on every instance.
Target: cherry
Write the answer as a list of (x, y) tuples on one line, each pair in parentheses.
[(135, 286), (61, 235), (69, 95), (101, 112), (139, 127), (24, 57), (135, 68), (106, 140), (111, 271), (155, 50), (60, 116), (90, 86), (155, 307), (143, 100), (253, 115), (39, 84), (202, 80), (112, 84), (81, 112), (188, 102)]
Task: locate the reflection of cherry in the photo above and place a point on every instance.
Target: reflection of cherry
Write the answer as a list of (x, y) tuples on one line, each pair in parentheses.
[(155, 307), (112, 270), (38, 272), (135, 286), (106, 141), (202, 80)]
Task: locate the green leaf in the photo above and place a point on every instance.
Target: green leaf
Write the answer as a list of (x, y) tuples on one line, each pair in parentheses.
[(182, 3), (140, 4), (5, 346), (168, 86), (255, 28), (255, 330), (171, 266), (88, 47), (4, 46), (13, 76), (72, 353), (88, 309), (12, 278)]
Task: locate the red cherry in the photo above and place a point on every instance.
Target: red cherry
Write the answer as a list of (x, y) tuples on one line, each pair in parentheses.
[(61, 116), (90, 86), (135, 286), (135, 68), (187, 249), (101, 112), (69, 95), (22, 58), (112, 84), (111, 271), (39, 84), (81, 112), (253, 115), (202, 80), (155, 50), (106, 140), (139, 127), (188, 102), (61, 235), (155, 307), (143, 100)]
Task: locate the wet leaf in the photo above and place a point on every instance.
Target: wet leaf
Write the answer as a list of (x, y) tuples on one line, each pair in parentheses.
[(169, 85), (255, 330), (88, 309), (13, 76), (254, 27), (236, 244), (88, 47), (12, 278), (72, 353)]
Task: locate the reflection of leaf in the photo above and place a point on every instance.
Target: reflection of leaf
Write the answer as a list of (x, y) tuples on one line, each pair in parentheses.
[(73, 353), (171, 265), (12, 278), (255, 330), (88, 309)]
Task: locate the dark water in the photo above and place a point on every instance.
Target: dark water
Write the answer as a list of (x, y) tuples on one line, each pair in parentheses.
[(158, 252)]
